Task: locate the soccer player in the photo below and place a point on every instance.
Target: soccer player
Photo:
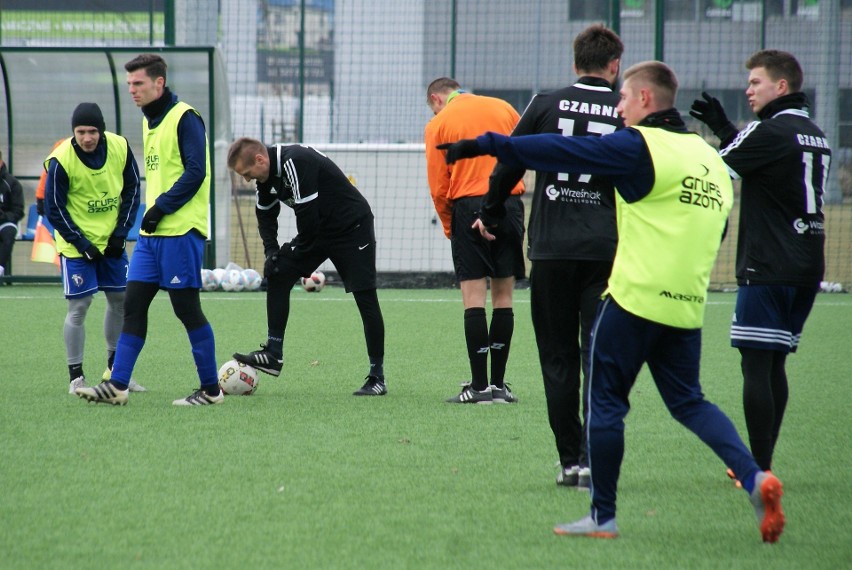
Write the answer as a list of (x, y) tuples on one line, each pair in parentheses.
[(11, 212), (334, 221), (173, 233), (457, 193), (572, 239), (91, 195), (673, 198), (783, 161)]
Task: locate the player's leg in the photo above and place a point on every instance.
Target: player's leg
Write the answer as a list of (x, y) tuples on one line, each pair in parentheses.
[(620, 345), (356, 264), (186, 304), (179, 264), (780, 395), (674, 366), (374, 334), (594, 276), (79, 283), (801, 305), (138, 297), (7, 242), (758, 403), (143, 284), (470, 260), (476, 330), (501, 328), (280, 279), (761, 329), (74, 333), (507, 266), (555, 323)]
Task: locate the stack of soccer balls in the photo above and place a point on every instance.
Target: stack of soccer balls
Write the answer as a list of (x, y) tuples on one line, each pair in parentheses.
[(238, 379), (231, 278)]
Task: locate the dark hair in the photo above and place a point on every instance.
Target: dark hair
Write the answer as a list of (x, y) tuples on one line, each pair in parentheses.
[(657, 75), (595, 47), (779, 65), (154, 65), (441, 85)]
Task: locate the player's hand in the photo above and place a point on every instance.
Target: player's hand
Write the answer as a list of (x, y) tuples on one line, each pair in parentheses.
[(40, 206), (270, 266), (483, 230), (92, 253), (115, 247), (710, 112), (152, 219), (465, 148)]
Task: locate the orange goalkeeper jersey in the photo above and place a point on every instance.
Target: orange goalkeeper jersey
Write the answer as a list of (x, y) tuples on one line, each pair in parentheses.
[(465, 116)]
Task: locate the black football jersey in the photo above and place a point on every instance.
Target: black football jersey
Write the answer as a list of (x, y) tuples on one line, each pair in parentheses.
[(572, 215), (783, 162), (325, 202)]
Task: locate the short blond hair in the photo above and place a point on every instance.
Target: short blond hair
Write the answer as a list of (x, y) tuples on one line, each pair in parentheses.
[(244, 149), (659, 77)]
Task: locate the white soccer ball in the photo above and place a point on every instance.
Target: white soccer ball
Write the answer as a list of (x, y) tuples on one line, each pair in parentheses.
[(314, 283), (252, 279), (238, 379), (233, 281), (218, 276), (208, 281)]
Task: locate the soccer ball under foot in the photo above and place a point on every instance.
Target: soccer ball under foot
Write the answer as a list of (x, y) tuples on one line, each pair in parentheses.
[(238, 379)]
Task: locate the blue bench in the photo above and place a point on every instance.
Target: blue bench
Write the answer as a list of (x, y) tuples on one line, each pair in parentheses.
[(32, 218)]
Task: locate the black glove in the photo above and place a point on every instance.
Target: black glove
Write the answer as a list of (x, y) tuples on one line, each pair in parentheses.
[(92, 253), (270, 266), (40, 206), (115, 247), (465, 148), (711, 113), (151, 219)]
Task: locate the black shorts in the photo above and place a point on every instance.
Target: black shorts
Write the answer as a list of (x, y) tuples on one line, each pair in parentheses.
[(353, 255), (474, 257)]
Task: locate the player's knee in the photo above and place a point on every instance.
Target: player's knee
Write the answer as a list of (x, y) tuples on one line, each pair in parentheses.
[(187, 307)]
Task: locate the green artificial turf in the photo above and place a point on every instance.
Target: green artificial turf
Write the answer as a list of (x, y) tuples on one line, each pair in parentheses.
[(304, 475)]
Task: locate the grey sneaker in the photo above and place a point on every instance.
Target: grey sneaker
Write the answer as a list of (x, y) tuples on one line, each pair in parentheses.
[(78, 382), (503, 395), (200, 398), (586, 526), (766, 500), (470, 396), (105, 392), (584, 478), (568, 476), (133, 386)]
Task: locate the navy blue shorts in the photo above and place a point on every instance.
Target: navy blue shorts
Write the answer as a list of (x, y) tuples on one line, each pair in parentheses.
[(771, 317), (474, 257), (171, 262), (81, 277)]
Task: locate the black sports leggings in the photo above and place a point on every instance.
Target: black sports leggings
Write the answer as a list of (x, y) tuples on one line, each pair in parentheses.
[(186, 304)]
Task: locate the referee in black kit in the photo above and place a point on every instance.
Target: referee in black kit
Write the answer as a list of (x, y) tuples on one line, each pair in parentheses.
[(333, 220), (572, 239)]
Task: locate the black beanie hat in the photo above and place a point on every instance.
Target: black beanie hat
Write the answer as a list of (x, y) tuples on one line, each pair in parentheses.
[(88, 115)]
